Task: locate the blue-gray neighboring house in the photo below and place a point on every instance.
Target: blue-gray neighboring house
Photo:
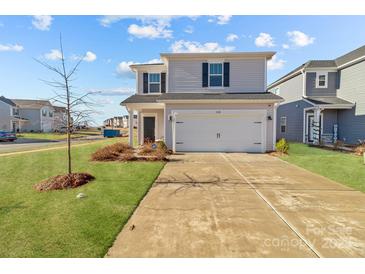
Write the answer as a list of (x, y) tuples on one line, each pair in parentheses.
[(324, 100)]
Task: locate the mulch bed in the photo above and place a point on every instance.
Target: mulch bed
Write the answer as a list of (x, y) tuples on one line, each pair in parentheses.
[(72, 180)]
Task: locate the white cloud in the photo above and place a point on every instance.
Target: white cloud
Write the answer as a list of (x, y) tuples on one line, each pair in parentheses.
[(112, 91), (89, 57), (220, 19), (264, 40), (275, 64), (150, 31), (285, 46), (223, 19), (231, 37), (189, 29), (54, 54), (124, 70), (9, 47), (42, 22), (193, 46), (300, 39), (108, 20)]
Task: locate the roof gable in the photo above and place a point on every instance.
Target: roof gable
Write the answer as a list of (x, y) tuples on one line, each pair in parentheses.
[(7, 101)]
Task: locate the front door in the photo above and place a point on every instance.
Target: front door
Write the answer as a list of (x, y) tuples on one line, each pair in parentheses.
[(149, 129)]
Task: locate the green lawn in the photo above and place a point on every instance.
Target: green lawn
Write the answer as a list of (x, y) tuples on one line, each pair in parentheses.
[(342, 167), (52, 135), (56, 224)]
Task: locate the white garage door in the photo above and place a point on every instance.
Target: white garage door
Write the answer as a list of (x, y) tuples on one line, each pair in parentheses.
[(220, 130)]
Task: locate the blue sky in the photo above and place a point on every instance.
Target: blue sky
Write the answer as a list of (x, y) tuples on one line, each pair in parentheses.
[(111, 43)]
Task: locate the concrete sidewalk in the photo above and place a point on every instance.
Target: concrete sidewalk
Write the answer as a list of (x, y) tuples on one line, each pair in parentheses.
[(243, 205)]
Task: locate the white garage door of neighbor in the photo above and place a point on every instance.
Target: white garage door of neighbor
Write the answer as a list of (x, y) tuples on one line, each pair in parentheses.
[(220, 130)]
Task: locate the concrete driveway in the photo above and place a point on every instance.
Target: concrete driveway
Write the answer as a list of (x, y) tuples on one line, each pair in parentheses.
[(243, 205)]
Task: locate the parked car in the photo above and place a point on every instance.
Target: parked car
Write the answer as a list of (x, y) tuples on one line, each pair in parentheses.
[(6, 136)]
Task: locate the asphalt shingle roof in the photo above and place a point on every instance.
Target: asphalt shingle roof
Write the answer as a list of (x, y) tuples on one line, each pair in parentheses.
[(328, 101), (352, 55), (348, 57), (172, 96), (7, 101), (28, 103)]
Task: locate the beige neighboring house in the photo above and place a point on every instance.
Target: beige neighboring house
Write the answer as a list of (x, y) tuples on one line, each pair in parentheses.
[(126, 121), (205, 102)]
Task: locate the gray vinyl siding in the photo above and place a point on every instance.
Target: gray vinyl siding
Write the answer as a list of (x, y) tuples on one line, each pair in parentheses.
[(33, 116), (247, 75), (294, 113), (291, 108), (351, 127), (352, 88), (5, 117), (329, 119), (171, 107), (311, 89), (291, 90)]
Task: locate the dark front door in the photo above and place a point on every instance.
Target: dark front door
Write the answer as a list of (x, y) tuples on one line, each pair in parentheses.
[(149, 129)]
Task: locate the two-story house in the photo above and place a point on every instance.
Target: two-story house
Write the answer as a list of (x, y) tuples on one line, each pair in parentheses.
[(38, 112), (324, 100), (10, 119), (205, 102)]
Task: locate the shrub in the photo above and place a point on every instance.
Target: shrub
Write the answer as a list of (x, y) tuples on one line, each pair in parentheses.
[(161, 145), (360, 148), (282, 146), (112, 152), (157, 154)]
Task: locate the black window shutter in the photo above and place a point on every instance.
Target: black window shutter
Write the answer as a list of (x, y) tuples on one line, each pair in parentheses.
[(163, 82), (145, 82), (205, 75), (226, 75)]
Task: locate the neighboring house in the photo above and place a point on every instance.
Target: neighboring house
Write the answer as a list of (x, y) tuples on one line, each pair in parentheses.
[(59, 118), (10, 120), (118, 121), (324, 100), (205, 102), (126, 121), (39, 114)]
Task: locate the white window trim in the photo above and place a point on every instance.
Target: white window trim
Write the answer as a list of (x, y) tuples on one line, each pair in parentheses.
[(149, 82), (307, 114), (318, 73), (215, 62), (286, 123)]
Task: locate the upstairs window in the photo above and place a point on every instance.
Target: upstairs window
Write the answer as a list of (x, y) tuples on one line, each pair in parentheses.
[(44, 112), (321, 80), (154, 82), (15, 111), (283, 124), (50, 114), (215, 74)]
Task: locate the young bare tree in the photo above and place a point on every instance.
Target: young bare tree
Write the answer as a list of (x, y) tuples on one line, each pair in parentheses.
[(78, 107)]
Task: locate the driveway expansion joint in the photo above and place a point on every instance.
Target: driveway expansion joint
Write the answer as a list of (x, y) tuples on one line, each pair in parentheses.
[(257, 191)]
